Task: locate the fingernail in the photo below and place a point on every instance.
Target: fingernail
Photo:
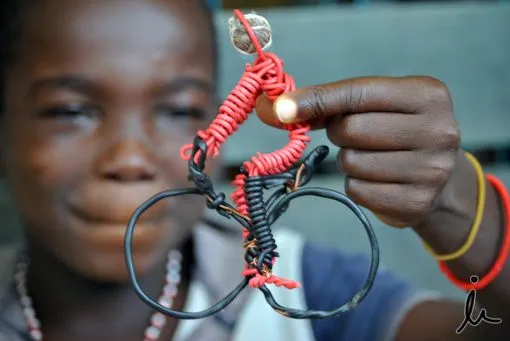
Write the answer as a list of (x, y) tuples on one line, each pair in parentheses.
[(286, 109)]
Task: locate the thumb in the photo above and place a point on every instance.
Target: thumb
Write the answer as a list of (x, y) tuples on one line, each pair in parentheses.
[(292, 107), (313, 104), (316, 104)]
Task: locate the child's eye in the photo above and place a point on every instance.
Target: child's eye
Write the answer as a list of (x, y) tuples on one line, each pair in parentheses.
[(70, 111), (181, 112)]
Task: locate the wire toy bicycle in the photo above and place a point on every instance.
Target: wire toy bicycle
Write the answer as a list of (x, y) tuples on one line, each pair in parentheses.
[(280, 171)]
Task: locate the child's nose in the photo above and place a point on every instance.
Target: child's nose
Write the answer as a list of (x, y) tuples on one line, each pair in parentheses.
[(128, 161)]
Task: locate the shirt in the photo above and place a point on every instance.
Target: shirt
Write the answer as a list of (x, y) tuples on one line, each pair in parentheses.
[(329, 278)]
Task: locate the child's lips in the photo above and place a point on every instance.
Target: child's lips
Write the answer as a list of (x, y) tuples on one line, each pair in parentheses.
[(121, 216), (110, 237), (107, 232), (116, 205)]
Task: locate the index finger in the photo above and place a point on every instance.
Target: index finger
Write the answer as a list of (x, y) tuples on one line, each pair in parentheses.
[(316, 104)]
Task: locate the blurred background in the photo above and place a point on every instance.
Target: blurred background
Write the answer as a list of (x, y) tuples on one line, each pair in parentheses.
[(465, 44)]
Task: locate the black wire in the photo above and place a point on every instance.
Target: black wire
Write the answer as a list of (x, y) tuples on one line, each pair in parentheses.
[(374, 245), (262, 214), (128, 252), (266, 245)]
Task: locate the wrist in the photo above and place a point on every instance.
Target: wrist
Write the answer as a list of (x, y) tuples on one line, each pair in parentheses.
[(464, 230)]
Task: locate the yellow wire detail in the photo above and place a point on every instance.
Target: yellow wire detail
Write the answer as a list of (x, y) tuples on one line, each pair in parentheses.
[(478, 216)]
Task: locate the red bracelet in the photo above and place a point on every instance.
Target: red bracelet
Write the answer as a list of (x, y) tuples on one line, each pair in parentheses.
[(503, 253)]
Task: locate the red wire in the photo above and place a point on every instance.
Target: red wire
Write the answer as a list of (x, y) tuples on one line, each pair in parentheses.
[(265, 76), (500, 262)]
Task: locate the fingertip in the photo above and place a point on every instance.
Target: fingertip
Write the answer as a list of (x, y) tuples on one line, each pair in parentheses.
[(286, 109)]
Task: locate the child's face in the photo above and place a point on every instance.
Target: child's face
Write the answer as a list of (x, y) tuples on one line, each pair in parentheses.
[(100, 100)]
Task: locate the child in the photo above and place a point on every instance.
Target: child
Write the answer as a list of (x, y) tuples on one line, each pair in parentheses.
[(97, 99)]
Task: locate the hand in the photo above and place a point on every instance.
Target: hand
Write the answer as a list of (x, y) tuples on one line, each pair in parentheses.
[(398, 139)]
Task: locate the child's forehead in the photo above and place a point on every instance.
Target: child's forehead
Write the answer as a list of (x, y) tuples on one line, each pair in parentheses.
[(138, 36), (80, 21)]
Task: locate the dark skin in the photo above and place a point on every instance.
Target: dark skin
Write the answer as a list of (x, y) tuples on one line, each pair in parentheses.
[(96, 111), (400, 154)]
